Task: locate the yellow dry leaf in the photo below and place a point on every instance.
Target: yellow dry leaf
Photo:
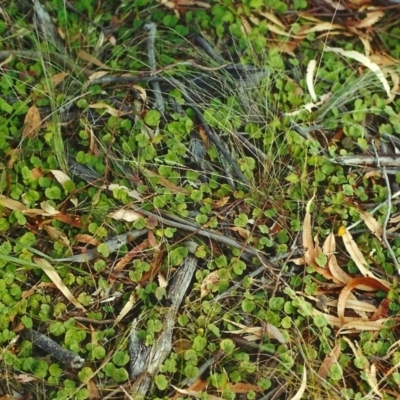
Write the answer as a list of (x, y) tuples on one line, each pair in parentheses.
[(49, 270), (32, 122)]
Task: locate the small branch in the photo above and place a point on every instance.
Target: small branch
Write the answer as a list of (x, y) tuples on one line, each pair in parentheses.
[(151, 27), (64, 356), (389, 207), (147, 363)]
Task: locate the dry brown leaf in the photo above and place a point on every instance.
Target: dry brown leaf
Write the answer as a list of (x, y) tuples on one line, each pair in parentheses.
[(356, 282), (257, 332), (128, 257), (165, 182), (32, 122), (60, 176), (308, 244), (243, 232), (97, 75), (338, 274), (350, 322), (58, 78), (134, 194), (57, 234), (382, 311), (196, 394), (360, 325), (372, 224), (92, 387), (125, 215), (331, 359), (87, 239), (321, 27), (244, 387), (49, 270), (372, 18), (358, 258), (126, 308), (110, 110), (91, 59), (11, 204), (208, 282)]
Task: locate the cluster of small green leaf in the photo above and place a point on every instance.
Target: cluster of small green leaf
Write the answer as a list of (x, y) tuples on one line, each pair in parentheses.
[(294, 169)]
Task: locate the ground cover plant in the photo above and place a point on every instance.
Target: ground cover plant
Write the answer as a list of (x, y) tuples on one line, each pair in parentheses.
[(199, 200)]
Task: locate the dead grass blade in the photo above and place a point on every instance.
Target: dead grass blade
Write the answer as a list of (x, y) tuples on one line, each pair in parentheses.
[(49, 270)]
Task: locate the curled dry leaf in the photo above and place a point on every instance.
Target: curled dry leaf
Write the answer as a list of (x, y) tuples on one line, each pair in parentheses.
[(125, 215), (356, 283), (308, 244), (355, 55), (209, 281), (351, 324), (337, 273), (358, 258)]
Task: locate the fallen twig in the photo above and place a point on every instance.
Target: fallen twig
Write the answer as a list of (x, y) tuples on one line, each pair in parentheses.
[(147, 363), (66, 357), (151, 27)]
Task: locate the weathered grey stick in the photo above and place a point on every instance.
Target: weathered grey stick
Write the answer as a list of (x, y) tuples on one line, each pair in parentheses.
[(359, 161), (66, 357), (148, 363), (152, 28)]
